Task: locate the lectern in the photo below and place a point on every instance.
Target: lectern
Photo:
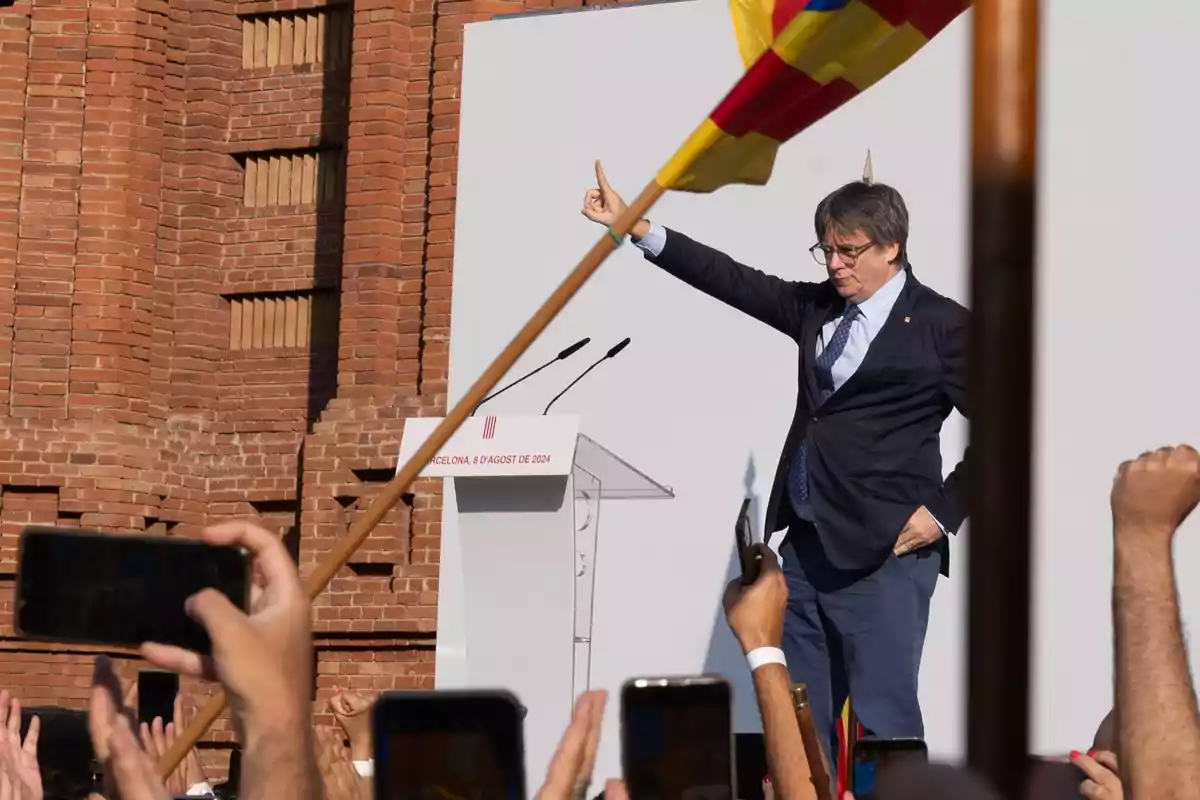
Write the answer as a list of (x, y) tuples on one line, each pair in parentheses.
[(528, 492)]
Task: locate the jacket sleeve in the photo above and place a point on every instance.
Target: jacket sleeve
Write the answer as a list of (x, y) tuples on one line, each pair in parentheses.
[(767, 298), (949, 507)]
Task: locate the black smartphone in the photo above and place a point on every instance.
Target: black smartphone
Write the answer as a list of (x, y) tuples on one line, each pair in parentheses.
[(1051, 779), (156, 695), (873, 754), (65, 754), (744, 536), (677, 738), (448, 745), (227, 789), (82, 586)]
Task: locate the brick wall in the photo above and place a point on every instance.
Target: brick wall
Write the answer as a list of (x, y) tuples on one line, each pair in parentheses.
[(226, 236)]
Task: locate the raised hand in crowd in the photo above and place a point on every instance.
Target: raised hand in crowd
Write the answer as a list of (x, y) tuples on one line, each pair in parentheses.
[(338, 776), (755, 612), (129, 771), (20, 776), (1103, 780), (353, 714), (264, 661), (755, 615), (157, 738), (570, 772), (1158, 729)]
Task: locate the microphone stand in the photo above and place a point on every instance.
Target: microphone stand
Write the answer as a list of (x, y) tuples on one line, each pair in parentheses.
[(597, 363), (566, 353), (612, 352)]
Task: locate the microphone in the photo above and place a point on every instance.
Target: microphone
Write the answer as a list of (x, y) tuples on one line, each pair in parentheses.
[(567, 353), (612, 352)]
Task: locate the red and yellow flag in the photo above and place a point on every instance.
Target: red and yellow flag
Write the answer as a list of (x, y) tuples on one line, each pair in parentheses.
[(804, 58)]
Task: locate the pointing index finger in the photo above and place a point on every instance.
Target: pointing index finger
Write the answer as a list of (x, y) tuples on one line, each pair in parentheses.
[(601, 180)]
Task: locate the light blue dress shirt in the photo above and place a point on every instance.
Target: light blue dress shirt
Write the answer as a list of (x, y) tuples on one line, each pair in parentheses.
[(875, 312)]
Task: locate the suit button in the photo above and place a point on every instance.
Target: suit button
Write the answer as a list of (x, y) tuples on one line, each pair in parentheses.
[(813, 419)]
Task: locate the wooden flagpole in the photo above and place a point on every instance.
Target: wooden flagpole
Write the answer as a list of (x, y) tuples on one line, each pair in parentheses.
[(1003, 217), (392, 492)]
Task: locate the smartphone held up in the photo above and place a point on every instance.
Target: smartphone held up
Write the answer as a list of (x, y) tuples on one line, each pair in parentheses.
[(677, 738), (449, 744), (872, 756), (156, 691), (121, 590), (743, 532)]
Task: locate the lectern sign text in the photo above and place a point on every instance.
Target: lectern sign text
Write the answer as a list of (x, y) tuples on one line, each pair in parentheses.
[(476, 460), (498, 445)]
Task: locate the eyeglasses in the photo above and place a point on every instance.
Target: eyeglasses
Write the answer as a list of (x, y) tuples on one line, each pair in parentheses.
[(847, 253)]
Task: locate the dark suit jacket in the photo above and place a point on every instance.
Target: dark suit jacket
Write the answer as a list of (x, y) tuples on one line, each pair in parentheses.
[(874, 446)]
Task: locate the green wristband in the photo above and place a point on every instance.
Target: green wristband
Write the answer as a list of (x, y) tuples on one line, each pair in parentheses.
[(617, 240)]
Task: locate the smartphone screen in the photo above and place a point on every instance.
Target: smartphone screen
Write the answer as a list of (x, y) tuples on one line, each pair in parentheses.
[(64, 749), (156, 696), (227, 789), (79, 586), (451, 745), (744, 536), (873, 755), (1054, 780), (677, 738)]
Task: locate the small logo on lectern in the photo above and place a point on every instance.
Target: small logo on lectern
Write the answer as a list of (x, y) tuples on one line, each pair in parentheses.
[(489, 427)]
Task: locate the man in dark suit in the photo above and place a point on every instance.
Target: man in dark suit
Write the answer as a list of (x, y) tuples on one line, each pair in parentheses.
[(859, 485)]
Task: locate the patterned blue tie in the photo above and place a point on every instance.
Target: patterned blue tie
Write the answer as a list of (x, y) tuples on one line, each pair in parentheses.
[(823, 372)]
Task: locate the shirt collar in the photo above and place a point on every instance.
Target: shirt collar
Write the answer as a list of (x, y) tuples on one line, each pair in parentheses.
[(879, 305)]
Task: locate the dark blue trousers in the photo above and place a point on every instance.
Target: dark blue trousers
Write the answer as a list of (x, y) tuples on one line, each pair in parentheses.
[(857, 632)]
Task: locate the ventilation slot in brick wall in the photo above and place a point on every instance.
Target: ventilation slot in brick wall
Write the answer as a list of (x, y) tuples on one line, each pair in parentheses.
[(315, 36), (282, 517), (314, 177), (386, 544), (284, 320)]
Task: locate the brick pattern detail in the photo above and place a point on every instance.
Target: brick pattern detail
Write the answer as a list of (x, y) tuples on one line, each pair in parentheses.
[(14, 67), (131, 235)]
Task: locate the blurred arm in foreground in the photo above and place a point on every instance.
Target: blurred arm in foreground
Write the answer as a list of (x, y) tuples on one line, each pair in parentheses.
[(1159, 734), (755, 615)]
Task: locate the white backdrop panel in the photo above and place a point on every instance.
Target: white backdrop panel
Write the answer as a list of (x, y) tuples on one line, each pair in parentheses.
[(702, 392)]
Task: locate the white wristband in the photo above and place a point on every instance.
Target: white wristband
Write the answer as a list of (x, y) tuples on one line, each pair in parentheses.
[(365, 769), (765, 655)]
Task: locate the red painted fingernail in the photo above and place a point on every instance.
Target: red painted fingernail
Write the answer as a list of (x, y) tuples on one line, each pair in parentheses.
[(1075, 754), (1091, 752), (767, 779)]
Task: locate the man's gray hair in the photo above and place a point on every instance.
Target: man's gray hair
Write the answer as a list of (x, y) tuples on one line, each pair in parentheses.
[(876, 209)]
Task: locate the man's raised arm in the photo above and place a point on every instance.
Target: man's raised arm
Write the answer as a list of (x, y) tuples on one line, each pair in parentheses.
[(767, 298)]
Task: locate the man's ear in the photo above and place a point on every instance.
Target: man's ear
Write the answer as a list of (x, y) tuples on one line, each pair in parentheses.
[(891, 252)]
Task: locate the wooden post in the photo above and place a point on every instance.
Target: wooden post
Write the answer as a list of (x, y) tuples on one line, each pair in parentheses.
[(814, 750), (1003, 214)]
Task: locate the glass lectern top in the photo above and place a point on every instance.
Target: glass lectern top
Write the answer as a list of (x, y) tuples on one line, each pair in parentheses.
[(616, 477)]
